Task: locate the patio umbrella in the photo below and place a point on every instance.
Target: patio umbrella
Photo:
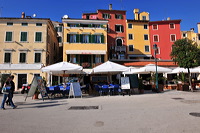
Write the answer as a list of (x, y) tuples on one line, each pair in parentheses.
[(110, 67), (62, 68), (184, 70), (151, 68)]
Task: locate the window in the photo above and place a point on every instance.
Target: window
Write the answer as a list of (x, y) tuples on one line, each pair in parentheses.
[(146, 37), (198, 36), (130, 26), (145, 26), (37, 57), (155, 38), (9, 23), (119, 28), (85, 38), (22, 58), (173, 38), (130, 36), (144, 18), (59, 39), (38, 36), (38, 24), (184, 34), (7, 58), (23, 37), (146, 48), (24, 24), (72, 38), (155, 27), (106, 16), (172, 26), (8, 36), (118, 16), (119, 42), (97, 39), (59, 29), (130, 47)]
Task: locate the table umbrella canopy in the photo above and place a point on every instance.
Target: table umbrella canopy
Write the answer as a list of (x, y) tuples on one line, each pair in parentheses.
[(63, 68), (185, 70), (110, 67), (151, 68)]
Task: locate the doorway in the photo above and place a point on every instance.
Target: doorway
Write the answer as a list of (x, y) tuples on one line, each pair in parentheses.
[(22, 79)]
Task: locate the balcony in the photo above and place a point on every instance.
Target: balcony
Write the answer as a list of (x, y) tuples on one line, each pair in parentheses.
[(120, 48)]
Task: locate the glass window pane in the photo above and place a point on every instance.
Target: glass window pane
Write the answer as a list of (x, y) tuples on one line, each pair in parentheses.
[(38, 37), (7, 58), (8, 36), (37, 57)]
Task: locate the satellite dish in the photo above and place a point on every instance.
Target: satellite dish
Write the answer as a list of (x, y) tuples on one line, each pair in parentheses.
[(34, 15), (65, 16)]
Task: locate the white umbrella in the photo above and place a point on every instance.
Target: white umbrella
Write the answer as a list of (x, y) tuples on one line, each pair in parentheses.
[(184, 70), (63, 68), (110, 67), (151, 68)]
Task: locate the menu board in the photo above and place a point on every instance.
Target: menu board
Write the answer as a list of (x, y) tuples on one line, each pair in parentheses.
[(75, 89), (125, 84)]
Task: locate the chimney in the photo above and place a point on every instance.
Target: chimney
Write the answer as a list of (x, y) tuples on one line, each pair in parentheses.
[(136, 14), (191, 29), (110, 6), (168, 18), (23, 15)]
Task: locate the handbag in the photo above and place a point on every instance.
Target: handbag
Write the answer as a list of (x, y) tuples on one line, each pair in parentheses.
[(6, 89)]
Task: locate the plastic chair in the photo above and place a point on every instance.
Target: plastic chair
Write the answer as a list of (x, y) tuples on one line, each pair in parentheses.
[(105, 89)]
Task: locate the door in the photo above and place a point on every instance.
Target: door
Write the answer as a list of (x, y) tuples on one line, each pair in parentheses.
[(22, 79)]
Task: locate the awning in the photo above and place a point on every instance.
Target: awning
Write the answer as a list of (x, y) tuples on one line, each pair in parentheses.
[(85, 52)]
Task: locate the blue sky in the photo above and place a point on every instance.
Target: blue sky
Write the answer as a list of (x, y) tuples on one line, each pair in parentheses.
[(187, 11)]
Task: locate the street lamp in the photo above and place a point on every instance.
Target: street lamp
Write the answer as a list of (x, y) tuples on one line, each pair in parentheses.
[(155, 47)]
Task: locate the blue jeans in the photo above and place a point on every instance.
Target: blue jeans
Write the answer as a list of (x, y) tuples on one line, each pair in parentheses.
[(9, 95)]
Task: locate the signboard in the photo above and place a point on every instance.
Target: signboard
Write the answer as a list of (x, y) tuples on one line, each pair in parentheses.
[(75, 90), (37, 82), (41, 86), (125, 84)]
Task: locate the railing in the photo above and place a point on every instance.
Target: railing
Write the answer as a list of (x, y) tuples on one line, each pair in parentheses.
[(120, 48)]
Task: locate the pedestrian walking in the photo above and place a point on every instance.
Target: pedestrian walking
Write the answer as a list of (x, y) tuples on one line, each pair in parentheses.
[(7, 95), (12, 89)]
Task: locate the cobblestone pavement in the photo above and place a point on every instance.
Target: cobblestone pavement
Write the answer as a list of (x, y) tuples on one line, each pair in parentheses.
[(169, 112)]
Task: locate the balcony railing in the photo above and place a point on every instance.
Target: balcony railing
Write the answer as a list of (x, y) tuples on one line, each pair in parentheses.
[(120, 48)]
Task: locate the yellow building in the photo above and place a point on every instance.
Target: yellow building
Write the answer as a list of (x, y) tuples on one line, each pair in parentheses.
[(138, 41), (27, 44), (85, 41)]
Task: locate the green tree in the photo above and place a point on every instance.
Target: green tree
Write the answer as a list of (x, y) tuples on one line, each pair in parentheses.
[(186, 54)]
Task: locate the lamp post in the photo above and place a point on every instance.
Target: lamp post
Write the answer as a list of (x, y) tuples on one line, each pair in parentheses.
[(155, 47)]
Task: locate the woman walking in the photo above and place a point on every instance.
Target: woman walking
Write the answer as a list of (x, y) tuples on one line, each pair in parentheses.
[(9, 95)]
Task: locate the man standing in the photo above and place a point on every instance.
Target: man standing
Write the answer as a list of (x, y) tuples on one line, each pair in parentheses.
[(12, 89)]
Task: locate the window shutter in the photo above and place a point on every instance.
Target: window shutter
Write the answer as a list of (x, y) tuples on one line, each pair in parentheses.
[(90, 38), (93, 38), (81, 38), (77, 38), (102, 38), (122, 28), (121, 16), (77, 61), (68, 37), (115, 27), (94, 59), (109, 16)]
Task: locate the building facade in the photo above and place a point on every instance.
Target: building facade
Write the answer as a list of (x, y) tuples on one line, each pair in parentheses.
[(116, 32), (85, 42), (27, 44), (138, 41), (164, 34)]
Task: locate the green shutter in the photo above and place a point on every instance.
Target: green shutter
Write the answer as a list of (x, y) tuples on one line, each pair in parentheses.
[(77, 38), (93, 38), (102, 38), (90, 38), (81, 38), (77, 60)]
